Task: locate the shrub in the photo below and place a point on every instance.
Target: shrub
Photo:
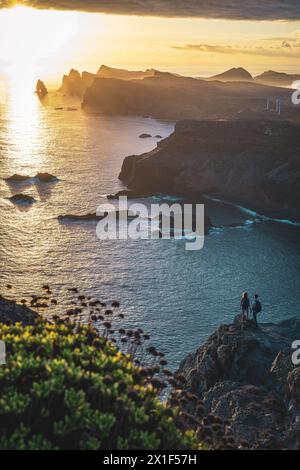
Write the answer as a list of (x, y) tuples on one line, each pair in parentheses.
[(67, 389)]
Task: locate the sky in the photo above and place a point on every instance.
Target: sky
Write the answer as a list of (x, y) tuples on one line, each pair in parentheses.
[(192, 37)]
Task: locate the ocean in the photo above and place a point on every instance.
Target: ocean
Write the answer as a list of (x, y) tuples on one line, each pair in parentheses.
[(179, 297)]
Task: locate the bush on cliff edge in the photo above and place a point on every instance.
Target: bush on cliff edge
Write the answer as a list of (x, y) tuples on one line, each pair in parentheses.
[(62, 389)]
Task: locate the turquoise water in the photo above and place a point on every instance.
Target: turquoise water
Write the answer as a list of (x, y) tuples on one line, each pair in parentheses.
[(178, 296)]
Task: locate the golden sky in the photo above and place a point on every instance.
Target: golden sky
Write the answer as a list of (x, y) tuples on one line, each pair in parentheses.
[(55, 41)]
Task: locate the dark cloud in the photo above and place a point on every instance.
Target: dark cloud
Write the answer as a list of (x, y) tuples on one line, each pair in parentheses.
[(227, 9), (285, 49)]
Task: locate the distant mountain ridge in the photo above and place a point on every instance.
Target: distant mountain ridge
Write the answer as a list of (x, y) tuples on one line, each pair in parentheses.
[(76, 83), (167, 96), (122, 74), (274, 78), (238, 74)]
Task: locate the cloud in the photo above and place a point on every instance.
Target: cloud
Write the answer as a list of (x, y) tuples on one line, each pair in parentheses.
[(226, 9), (285, 49)]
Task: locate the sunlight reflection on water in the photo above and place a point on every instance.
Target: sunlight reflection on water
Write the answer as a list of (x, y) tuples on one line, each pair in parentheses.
[(24, 117)]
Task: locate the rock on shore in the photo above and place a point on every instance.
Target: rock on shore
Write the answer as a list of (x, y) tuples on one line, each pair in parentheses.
[(11, 312), (247, 376), (255, 164)]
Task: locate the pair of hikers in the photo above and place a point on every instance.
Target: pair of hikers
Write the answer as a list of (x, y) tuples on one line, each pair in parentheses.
[(246, 307)]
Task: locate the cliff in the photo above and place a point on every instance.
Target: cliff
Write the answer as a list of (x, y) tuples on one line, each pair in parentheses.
[(75, 83), (167, 96), (246, 376), (253, 163)]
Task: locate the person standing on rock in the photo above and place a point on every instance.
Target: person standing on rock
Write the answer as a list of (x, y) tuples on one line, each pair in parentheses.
[(256, 308), (245, 305)]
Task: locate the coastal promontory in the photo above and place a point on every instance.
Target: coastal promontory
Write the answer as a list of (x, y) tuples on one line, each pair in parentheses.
[(247, 377), (254, 163)]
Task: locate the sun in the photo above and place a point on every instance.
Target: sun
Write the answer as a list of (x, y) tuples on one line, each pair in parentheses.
[(27, 36)]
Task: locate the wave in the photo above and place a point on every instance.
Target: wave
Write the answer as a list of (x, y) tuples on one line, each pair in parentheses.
[(257, 217)]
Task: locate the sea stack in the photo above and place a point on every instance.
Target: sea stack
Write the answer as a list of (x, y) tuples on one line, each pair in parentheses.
[(41, 89)]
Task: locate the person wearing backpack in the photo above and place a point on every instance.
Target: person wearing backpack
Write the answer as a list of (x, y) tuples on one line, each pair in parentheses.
[(256, 308)]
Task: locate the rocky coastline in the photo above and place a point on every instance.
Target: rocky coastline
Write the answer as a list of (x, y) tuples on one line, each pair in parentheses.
[(246, 377), (251, 163), (243, 376)]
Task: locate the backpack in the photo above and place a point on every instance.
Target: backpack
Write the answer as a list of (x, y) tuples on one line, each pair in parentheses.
[(258, 307)]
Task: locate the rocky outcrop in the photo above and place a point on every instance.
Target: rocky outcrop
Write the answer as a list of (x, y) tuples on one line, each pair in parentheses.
[(38, 178), (75, 84), (22, 199), (11, 312), (246, 376), (252, 163), (41, 89), (94, 217), (45, 178), (145, 136)]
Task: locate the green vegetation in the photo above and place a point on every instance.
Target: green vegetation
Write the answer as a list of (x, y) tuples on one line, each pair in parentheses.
[(64, 387)]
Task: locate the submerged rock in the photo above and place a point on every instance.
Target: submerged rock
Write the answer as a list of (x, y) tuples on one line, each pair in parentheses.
[(22, 199), (129, 194), (246, 376), (39, 177), (93, 216), (17, 178), (145, 136), (45, 177)]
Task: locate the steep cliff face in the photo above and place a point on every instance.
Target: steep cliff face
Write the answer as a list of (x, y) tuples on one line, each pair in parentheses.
[(252, 163), (75, 84), (247, 376)]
